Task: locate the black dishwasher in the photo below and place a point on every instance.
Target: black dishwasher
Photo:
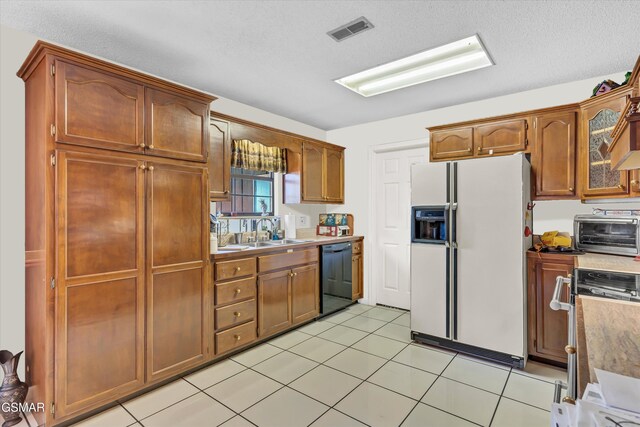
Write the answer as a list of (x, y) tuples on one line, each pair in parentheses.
[(336, 289)]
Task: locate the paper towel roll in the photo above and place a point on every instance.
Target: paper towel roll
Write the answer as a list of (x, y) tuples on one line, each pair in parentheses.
[(290, 226)]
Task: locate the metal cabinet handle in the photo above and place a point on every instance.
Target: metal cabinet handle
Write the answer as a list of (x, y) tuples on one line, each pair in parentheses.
[(237, 268), (237, 313), (151, 146), (237, 337), (555, 303), (141, 145), (143, 167), (571, 189), (151, 168), (238, 290)]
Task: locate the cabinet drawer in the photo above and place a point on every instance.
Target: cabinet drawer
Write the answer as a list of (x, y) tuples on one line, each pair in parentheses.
[(235, 337), (287, 259), (357, 247), (236, 290), (235, 314), (235, 268)]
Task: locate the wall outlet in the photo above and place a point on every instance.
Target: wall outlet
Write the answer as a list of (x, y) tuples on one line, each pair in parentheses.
[(302, 221)]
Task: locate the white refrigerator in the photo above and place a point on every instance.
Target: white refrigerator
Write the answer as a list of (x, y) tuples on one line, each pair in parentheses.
[(471, 227)]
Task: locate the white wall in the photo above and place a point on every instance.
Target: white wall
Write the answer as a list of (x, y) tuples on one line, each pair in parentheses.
[(14, 48), (361, 140)]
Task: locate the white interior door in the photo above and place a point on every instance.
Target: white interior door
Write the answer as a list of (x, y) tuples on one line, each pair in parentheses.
[(391, 252)]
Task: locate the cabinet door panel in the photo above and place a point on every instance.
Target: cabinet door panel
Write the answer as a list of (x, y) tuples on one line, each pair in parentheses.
[(176, 127), (274, 302), (334, 176), (312, 173), (219, 161), (177, 286), (635, 182), (356, 277), (599, 179), (500, 138), (451, 144), (100, 280), (305, 294), (554, 159), (551, 326), (98, 109), (175, 325)]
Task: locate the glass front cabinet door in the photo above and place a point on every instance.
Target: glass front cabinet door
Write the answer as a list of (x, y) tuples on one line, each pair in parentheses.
[(599, 179)]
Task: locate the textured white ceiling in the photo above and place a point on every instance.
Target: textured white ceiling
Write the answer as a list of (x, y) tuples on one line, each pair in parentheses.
[(275, 55)]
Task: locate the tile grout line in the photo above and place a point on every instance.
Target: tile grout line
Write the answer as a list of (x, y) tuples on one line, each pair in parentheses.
[(500, 398), (329, 367), (425, 393)]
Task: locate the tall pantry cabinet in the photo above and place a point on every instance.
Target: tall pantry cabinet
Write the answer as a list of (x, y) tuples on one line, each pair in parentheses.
[(117, 260)]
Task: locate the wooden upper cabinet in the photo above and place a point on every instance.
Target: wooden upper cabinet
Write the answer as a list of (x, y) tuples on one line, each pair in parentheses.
[(175, 126), (509, 136), (99, 346), (554, 155), (334, 175), (97, 109), (452, 144), (313, 173), (219, 161), (598, 179), (178, 290), (274, 302), (635, 183), (305, 293), (322, 174)]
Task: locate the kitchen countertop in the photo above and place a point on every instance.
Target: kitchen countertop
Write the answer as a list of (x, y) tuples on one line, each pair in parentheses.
[(308, 242), (622, 264)]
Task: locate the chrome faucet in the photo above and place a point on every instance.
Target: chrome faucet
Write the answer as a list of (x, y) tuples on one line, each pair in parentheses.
[(270, 232)]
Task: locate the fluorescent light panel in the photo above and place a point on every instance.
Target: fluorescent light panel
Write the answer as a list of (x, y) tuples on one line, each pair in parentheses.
[(454, 58)]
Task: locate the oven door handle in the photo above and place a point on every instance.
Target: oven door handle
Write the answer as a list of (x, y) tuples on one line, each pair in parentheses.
[(608, 220), (555, 303)]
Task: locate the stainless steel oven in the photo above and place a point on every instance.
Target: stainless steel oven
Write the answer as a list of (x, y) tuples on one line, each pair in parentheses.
[(618, 235), (593, 283)]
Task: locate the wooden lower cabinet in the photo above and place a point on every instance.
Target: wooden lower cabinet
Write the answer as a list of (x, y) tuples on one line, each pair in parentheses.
[(357, 270), (274, 302), (548, 329), (305, 294), (357, 277)]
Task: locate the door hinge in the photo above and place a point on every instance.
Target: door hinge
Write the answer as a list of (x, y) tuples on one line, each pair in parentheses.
[(53, 160), (53, 130), (526, 143), (53, 283), (53, 69), (53, 408), (526, 124)]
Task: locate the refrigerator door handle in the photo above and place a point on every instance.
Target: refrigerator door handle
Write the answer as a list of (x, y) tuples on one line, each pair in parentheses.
[(446, 244)]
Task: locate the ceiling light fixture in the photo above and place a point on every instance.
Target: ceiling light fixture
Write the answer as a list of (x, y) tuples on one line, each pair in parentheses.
[(454, 58)]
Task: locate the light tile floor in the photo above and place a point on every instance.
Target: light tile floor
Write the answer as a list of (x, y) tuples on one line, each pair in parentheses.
[(355, 368)]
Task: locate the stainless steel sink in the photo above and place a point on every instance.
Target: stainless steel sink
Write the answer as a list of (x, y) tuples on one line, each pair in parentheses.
[(286, 242)]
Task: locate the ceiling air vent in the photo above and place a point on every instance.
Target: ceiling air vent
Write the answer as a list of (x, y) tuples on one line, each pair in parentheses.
[(350, 29)]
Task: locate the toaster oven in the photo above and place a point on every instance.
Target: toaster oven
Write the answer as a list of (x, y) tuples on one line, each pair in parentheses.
[(618, 235)]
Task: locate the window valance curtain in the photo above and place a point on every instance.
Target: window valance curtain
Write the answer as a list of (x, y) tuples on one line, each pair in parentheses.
[(258, 157)]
